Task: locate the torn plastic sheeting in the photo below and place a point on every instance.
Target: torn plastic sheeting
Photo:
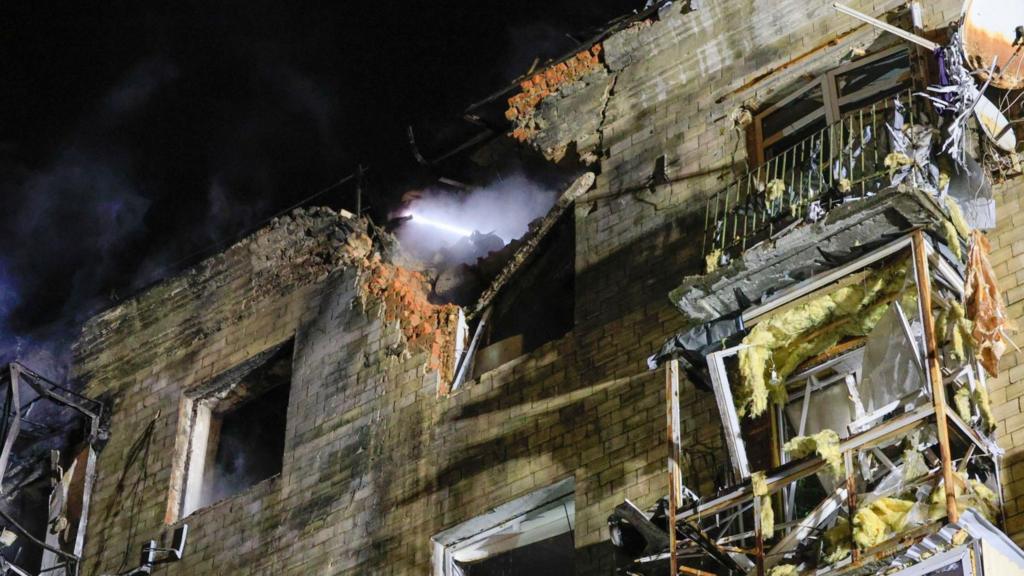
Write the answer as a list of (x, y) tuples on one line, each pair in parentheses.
[(890, 370), (985, 308), (692, 346), (781, 342), (830, 409)]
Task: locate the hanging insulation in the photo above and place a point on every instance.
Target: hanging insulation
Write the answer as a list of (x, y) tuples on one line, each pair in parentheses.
[(952, 239), (914, 466), (824, 443), (759, 485), (957, 216), (784, 570), (878, 521), (711, 261), (838, 542), (962, 401), (969, 494), (981, 400), (777, 345)]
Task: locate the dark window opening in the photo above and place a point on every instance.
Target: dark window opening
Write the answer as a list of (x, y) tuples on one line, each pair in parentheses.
[(550, 557), (537, 306), (239, 436), (250, 446)]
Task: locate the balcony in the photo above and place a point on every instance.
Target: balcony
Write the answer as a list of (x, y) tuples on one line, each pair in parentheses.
[(844, 161)]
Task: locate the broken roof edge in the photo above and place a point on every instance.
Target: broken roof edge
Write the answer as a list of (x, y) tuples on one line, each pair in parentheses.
[(614, 27), (300, 223)]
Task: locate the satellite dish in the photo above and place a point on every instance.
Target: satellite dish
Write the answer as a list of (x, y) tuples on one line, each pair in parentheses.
[(990, 30), (995, 125)]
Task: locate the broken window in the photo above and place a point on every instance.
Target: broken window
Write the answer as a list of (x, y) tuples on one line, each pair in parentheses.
[(827, 100), (530, 535), (837, 439), (537, 307), (238, 425)]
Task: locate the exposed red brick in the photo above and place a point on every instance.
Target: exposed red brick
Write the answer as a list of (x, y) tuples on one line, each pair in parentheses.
[(547, 82), (426, 326)]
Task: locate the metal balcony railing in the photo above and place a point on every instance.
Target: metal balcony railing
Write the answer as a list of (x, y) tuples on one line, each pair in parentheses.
[(843, 160)]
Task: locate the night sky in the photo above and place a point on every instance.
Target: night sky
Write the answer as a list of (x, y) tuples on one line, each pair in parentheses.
[(136, 137)]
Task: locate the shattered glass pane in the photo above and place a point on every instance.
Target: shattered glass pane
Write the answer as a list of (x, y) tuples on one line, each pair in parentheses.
[(874, 81), (830, 408), (891, 372)]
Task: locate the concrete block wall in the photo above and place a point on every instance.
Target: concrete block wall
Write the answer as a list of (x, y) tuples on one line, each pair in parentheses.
[(375, 462), (1007, 391)]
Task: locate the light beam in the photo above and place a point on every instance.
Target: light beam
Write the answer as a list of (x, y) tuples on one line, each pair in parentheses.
[(440, 225)]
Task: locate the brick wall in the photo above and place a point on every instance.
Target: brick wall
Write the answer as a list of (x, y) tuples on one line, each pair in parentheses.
[(375, 463), (1007, 390)]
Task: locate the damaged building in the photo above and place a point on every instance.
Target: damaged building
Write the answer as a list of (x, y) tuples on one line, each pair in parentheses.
[(766, 327)]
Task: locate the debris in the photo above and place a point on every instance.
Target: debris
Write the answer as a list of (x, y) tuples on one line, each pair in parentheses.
[(741, 118), (952, 239), (971, 494), (535, 89), (962, 401), (711, 261), (784, 570), (7, 537), (914, 466), (981, 400), (579, 187), (786, 339), (824, 443), (955, 214), (426, 326), (874, 523), (838, 541), (776, 188), (985, 307)]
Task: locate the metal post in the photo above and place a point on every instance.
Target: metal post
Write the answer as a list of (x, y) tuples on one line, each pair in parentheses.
[(924, 291), (851, 497), (675, 476)]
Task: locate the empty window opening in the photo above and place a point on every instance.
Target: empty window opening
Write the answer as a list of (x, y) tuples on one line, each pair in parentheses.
[(238, 429), (530, 535), (537, 306)]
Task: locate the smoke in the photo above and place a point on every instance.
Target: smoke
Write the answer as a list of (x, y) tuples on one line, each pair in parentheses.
[(503, 208), (130, 193)]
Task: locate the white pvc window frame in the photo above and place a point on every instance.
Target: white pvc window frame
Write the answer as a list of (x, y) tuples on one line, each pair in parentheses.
[(545, 512), (716, 360)]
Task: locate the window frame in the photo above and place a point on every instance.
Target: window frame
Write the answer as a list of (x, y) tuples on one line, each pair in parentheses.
[(200, 407), (447, 543), (831, 102)]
